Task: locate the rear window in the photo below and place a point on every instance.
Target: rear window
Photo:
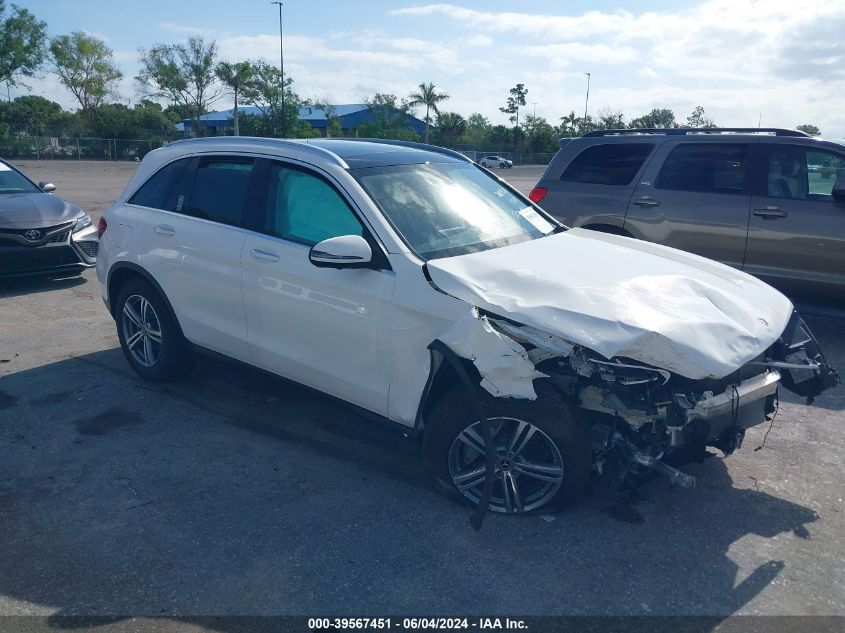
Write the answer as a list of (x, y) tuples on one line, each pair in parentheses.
[(705, 168), (614, 164), (220, 190), (155, 192)]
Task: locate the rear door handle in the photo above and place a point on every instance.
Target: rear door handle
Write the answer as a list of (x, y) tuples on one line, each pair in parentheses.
[(164, 230), (264, 255), (647, 201), (770, 213)]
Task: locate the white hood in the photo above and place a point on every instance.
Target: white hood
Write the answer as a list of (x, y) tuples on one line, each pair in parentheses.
[(623, 297)]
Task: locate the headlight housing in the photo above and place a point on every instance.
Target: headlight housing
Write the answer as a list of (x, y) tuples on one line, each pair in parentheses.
[(82, 222)]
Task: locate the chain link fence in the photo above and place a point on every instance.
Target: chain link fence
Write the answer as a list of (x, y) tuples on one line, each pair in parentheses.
[(79, 148)]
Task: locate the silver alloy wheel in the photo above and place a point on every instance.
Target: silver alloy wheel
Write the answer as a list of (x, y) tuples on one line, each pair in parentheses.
[(141, 330), (529, 470)]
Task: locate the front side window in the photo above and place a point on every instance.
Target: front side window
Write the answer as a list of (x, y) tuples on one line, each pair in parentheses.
[(442, 210), (156, 192), (220, 190), (13, 182), (611, 164), (705, 168), (304, 208)]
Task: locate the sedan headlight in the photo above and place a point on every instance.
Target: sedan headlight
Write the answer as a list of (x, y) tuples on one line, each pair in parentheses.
[(82, 222)]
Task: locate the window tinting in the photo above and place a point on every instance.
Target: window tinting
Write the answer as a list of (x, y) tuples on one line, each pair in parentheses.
[(705, 167), (615, 164), (305, 208), (154, 193), (220, 190)]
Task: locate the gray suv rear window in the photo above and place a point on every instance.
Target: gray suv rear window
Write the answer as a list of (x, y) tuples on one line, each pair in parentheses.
[(612, 164), (705, 167)]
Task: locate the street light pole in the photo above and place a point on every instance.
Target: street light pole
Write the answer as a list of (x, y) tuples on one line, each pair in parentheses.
[(282, 67), (587, 101)]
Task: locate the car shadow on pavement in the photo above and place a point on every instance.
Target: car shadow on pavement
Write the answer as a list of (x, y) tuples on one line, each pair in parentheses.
[(235, 493), (20, 286)]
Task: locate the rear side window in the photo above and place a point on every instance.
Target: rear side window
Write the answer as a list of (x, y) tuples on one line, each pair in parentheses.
[(705, 168), (304, 208), (615, 164), (155, 193), (220, 190)]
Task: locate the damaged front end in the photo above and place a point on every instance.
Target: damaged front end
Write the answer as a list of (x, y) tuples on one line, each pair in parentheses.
[(643, 417)]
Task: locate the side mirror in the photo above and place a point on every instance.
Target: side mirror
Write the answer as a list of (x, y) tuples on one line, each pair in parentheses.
[(47, 187), (346, 251), (838, 191)]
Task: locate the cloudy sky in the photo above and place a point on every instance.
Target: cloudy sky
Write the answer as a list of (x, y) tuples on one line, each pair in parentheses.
[(778, 62)]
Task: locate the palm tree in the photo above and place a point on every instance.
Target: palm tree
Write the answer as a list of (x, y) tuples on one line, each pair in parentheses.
[(428, 97), (235, 77), (451, 126), (570, 122)]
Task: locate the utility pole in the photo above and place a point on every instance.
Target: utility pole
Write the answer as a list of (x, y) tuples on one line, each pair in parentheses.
[(535, 109), (282, 67), (587, 101)]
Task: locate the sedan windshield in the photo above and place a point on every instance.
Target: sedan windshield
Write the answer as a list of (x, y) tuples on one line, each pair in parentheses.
[(443, 210), (13, 182)]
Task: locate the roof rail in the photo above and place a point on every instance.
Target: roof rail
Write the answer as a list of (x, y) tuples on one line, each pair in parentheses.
[(681, 131), (411, 144), (290, 143)]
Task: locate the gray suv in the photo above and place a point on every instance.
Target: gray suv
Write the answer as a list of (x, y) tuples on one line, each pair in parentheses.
[(768, 201)]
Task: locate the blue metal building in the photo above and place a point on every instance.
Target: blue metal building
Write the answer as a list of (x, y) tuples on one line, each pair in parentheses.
[(351, 116)]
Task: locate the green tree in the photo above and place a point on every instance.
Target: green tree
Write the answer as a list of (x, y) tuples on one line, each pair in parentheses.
[(182, 73), (235, 76), (332, 120), (569, 124), (699, 120), (450, 126), (23, 40), (610, 120), (264, 90), (478, 130), (429, 97), (501, 137), (85, 66), (540, 135), (808, 128), (516, 100), (390, 118), (657, 118), (39, 116)]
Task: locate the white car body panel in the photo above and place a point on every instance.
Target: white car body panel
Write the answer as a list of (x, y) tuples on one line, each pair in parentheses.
[(323, 327), (622, 297), (198, 265)]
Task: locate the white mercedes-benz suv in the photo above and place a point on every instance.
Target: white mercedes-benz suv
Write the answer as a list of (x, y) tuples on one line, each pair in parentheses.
[(412, 283)]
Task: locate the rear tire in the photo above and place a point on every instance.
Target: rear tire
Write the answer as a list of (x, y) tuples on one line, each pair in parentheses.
[(150, 338), (543, 446)]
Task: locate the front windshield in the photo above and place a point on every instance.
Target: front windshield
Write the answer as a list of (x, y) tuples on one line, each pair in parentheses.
[(12, 182), (442, 210)]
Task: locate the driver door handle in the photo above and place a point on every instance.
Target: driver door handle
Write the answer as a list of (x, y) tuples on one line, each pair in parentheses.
[(164, 230), (647, 201), (264, 255), (770, 213)]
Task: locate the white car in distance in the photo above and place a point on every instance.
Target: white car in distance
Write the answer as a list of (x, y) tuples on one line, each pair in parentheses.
[(495, 161)]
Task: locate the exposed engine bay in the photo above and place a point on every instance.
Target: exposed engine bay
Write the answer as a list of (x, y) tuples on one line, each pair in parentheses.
[(643, 416)]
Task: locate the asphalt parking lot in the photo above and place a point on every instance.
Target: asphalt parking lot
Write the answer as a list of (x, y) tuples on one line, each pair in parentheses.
[(233, 493)]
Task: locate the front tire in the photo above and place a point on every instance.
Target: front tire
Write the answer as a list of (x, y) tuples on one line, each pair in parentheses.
[(150, 338), (543, 447)]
